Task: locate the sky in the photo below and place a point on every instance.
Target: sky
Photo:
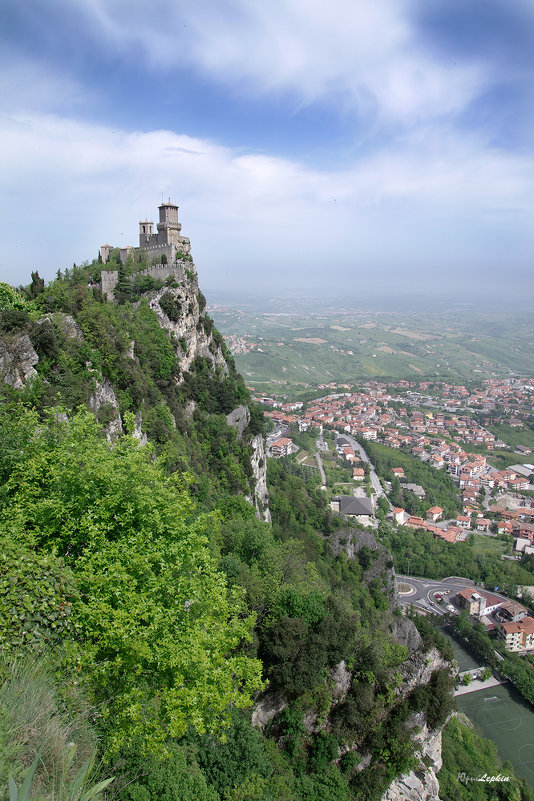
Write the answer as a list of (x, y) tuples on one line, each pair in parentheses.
[(339, 147)]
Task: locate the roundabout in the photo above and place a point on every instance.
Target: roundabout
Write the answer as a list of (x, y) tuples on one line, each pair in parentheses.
[(405, 589)]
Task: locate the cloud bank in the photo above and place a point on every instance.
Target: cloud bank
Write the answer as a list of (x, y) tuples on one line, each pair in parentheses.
[(427, 177)]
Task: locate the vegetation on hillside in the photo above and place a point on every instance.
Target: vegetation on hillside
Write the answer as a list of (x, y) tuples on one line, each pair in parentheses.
[(439, 487), (468, 757), (153, 602), (476, 639)]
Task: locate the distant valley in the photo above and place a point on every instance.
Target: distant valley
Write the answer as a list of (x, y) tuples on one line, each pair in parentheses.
[(309, 348)]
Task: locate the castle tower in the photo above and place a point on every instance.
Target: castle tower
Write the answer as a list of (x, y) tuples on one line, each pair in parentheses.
[(146, 230), (168, 227)]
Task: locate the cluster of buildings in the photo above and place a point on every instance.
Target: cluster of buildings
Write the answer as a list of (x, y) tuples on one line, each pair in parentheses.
[(509, 619), (236, 343), (433, 422)]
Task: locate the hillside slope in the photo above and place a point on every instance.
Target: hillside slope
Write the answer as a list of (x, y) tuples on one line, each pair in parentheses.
[(138, 561)]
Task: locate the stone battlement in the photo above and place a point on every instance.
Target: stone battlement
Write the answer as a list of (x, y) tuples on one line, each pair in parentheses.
[(167, 245), (159, 272), (168, 241)]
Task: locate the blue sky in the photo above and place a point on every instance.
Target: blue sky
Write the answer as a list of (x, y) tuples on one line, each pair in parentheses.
[(312, 146)]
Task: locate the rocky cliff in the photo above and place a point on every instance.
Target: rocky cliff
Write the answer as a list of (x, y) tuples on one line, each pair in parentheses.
[(181, 312), (71, 354), (17, 360), (416, 681), (420, 784)]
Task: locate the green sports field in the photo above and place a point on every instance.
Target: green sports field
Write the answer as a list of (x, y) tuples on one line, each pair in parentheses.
[(463, 657), (502, 715)]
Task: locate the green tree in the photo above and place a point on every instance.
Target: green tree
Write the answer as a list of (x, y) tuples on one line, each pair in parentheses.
[(156, 627)]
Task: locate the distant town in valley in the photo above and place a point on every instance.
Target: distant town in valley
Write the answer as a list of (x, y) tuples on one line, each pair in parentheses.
[(449, 452), (439, 425)]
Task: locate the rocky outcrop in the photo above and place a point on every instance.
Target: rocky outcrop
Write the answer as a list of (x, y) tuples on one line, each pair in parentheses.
[(421, 783), (17, 360), (414, 786), (405, 633), (66, 324), (239, 419), (180, 312), (342, 678), (268, 708), (259, 470), (138, 432), (104, 396), (187, 327), (418, 669), (351, 541)]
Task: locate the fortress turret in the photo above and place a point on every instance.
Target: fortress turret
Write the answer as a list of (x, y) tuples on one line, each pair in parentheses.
[(168, 227), (146, 230), (157, 250)]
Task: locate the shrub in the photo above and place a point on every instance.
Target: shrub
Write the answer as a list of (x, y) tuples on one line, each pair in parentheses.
[(13, 319), (171, 306)]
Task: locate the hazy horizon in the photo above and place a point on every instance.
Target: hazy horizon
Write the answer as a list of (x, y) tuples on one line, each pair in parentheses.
[(315, 150)]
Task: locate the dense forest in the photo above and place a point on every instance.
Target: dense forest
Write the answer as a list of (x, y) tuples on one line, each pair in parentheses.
[(439, 487), (145, 609)]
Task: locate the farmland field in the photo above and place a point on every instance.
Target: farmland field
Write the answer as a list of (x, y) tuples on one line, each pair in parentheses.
[(302, 347)]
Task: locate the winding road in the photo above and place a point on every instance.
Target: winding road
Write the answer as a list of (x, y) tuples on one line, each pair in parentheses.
[(357, 448)]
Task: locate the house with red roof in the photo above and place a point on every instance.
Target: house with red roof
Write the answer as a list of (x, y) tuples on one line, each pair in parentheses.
[(435, 513), (518, 635), (281, 447)]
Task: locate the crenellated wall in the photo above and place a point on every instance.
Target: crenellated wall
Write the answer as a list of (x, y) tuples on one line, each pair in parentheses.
[(159, 272)]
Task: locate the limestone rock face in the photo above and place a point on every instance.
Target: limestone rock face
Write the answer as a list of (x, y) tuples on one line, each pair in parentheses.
[(352, 540), (187, 328), (420, 786), (418, 669), (239, 418), (342, 677), (194, 339), (268, 707), (138, 431), (66, 324), (405, 633), (17, 361), (259, 469), (421, 783), (104, 395)]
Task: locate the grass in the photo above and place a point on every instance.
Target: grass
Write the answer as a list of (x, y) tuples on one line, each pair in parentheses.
[(514, 436), (508, 720), (34, 720), (489, 545)]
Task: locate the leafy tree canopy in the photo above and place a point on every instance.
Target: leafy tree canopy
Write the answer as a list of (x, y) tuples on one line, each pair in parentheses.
[(156, 628)]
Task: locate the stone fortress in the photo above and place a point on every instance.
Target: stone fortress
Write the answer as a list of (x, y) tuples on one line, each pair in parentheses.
[(165, 250)]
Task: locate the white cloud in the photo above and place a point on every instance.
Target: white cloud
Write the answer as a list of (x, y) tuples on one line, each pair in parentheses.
[(367, 55), (70, 186)]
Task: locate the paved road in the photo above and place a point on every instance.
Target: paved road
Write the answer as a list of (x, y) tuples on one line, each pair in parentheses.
[(426, 588), (448, 587), (375, 481)]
